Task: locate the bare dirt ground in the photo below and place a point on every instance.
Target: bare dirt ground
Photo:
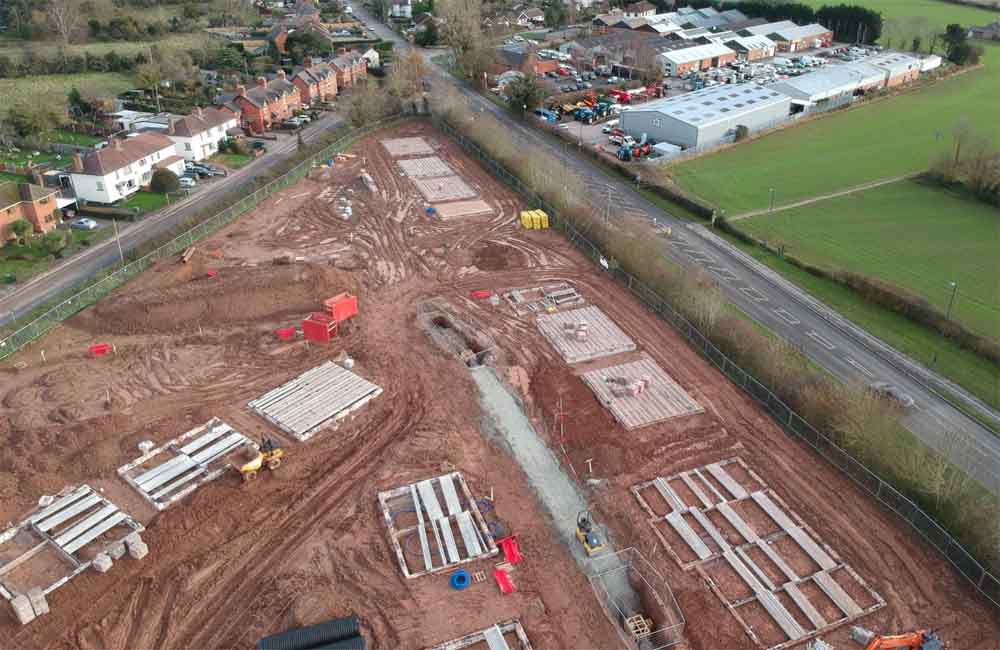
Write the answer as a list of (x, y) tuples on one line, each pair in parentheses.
[(232, 562)]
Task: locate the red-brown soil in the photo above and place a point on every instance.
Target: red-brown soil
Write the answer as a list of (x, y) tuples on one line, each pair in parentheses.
[(233, 562)]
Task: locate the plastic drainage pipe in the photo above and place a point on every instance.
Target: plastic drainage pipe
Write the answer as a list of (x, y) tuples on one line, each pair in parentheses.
[(305, 638), (460, 580), (354, 643)]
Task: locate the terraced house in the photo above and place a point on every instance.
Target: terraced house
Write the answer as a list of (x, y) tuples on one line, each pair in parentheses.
[(317, 82), (267, 103), (199, 134), (351, 67), (33, 203)]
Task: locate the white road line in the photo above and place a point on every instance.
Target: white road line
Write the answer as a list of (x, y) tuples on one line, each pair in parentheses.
[(865, 371), (753, 294), (821, 340), (722, 272), (787, 316)]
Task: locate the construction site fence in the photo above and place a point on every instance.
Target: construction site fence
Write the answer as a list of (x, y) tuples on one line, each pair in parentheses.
[(105, 282), (985, 582)]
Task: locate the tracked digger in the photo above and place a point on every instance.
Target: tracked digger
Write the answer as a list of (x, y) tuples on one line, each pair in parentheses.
[(919, 640)]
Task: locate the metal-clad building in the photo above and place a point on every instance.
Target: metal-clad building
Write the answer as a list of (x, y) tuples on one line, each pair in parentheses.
[(831, 86), (707, 117)]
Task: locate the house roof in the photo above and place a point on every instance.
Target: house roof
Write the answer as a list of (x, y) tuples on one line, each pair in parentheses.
[(315, 73), (640, 7), (193, 124), (122, 153), (533, 13), (166, 162)]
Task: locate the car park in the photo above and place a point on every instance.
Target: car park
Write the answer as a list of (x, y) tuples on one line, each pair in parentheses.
[(83, 224)]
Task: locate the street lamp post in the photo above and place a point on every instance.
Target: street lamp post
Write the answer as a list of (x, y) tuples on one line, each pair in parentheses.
[(951, 301), (772, 199)]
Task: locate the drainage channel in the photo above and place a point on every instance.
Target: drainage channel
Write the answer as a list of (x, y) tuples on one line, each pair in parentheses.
[(556, 491)]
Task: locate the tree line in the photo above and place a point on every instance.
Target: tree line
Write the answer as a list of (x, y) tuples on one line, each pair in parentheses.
[(31, 64), (849, 23)]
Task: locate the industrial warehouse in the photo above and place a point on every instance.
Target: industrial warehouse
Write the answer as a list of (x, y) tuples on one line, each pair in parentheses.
[(708, 116)]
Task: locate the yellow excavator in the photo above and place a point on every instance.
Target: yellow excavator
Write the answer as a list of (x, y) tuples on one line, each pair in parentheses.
[(269, 455)]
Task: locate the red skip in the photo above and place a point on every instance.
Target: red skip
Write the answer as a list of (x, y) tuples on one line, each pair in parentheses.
[(504, 582), (100, 349), (480, 294), (511, 549), (212, 273)]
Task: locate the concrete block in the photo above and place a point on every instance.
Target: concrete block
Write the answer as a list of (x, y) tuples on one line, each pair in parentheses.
[(138, 551), (23, 611), (102, 563), (116, 550), (133, 538), (37, 599)]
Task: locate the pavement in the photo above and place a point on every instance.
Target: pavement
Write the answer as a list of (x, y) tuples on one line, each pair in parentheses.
[(831, 341), (77, 269)]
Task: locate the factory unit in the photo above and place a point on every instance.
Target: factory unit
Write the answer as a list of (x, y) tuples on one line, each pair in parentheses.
[(899, 68), (831, 86), (707, 117), (681, 61), (752, 48)]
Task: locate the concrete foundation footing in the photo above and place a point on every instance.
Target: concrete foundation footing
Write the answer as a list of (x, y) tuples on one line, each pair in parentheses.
[(38, 603), (23, 611), (116, 551), (133, 538), (102, 563), (138, 551)]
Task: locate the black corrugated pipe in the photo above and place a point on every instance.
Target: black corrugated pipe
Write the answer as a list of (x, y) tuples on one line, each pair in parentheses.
[(305, 638), (355, 643)]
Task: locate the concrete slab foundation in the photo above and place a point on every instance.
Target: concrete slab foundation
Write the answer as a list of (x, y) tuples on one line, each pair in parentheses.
[(314, 400), (766, 526), (444, 188), (661, 398), (459, 209), (399, 147), (429, 167), (601, 338)]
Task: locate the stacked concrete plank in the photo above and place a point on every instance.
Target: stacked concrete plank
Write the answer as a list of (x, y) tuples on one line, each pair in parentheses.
[(315, 399)]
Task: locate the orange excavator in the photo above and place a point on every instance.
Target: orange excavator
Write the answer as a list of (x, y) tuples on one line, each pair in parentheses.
[(919, 640)]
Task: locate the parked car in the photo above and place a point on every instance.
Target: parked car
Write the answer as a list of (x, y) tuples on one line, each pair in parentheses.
[(83, 224), (257, 144), (609, 126), (187, 182)]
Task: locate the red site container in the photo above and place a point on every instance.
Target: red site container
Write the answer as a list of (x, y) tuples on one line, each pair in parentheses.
[(342, 306), (319, 327), (285, 333)]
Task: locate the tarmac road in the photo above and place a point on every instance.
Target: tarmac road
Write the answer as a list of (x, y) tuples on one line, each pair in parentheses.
[(80, 267), (827, 338)]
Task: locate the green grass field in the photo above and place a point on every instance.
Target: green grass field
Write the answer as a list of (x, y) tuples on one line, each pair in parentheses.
[(936, 11), (885, 138), (232, 160), (70, 137), (14, 49), (146, 201), (51, 90), (915, 236)]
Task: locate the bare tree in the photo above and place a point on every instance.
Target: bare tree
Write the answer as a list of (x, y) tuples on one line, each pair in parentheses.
[(65, 17), (408, 72), (462, 31)]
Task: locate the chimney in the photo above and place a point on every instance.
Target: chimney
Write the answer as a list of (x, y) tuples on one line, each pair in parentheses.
[(241, 90), (281, 75), (77, 162), (308, 62), (262, 82)]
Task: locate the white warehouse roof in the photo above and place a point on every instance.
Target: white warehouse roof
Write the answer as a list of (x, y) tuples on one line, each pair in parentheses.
[(757, 42), (797, 33), (716, 103), (830, 82), (696, 53), (896, 63), (769, 28)]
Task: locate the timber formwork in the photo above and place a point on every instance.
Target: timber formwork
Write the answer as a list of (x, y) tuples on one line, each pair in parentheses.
[(705, 512), (494, 637), (429, 537), (547, 298), (662, 399)]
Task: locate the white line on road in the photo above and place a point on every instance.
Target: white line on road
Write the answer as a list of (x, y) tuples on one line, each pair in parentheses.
[(722, 272), (787, 316), (821, 340), (865, 371), (754, 294)]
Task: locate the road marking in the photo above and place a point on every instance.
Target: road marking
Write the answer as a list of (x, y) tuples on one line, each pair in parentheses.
[(755, 295), (722, 272), (787, 316), (822, 341), (865, 371)]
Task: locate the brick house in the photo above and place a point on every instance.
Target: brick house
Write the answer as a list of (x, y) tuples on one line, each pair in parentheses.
[(317, 82), (351, 67), (33, 203), (267, 103)]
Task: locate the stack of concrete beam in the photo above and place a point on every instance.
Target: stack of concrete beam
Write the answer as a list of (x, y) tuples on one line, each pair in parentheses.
[(27, 607)]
